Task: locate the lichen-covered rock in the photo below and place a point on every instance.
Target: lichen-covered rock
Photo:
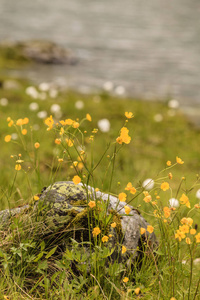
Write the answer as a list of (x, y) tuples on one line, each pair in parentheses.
[(64, 206)]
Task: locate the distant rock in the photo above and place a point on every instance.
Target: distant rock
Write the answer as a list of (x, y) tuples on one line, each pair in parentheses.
[(45, 52)]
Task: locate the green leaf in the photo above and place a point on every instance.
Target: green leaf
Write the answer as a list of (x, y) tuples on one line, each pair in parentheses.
[(50, 253), (39, 256)]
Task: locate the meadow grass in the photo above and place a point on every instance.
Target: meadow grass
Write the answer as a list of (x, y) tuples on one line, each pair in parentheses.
[(33, 157)]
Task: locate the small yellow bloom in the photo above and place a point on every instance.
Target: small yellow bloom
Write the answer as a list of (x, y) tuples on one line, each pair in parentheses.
[(197, 238), (150, 228), (124, 137), (36, 198), (80, 165), (113, 225), (123, 249), (179, 235), (170, 175), (97, 189), (49, 122), (187, 221), (75, 124), (147, 198), (129, 115), (25, 121), (92, 204), (122, 197), (167, 212), (125, 279), (18, 167), (127, 209), (75, 163), (188, 241), (142, 230), (130, 188), (164, 186), (37, 145), (137, 291), (76, 179), (7, 138), (179, 160), (105, 238), (193, 231), (172, 298), (24, 131), (60, 160), (19, 122), (10, 123), (57, 141), (168, 163), (96, 231), (185, 200), (69, 142), (184, 228), (88, 117)]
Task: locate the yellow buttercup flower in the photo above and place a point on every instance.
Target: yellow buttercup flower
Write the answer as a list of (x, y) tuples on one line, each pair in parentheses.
[(179, 160), (7, 138), (127, 209), (18, 167), (124, 137), (88, 117), (105, 238), (167, 212), (113, 225), (150, 228), (76, 179), (123, 249), (122, 197), (164, 186), (185, 200), (125, 279), (130, 188), (49, 122), (37, 145), (96, 231), (168, 163), (92, 204), (142, 230), (129, 115), (137, 291)]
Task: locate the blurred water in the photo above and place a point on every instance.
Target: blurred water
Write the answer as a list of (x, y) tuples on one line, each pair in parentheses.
[(152, 48)]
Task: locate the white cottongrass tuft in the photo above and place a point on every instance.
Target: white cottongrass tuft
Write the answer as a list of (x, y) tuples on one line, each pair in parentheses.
[(104, 125), (148, 184), (44, 86), (42, 96), (120, 90), (108, 86), (32, 92), (198, 194), (173, 103), (53, 93), (79, 104), (33, 106), (158, 118), (55, 108), (173, 202), (42, 114), (14, 136), (36, 127), (4, 102)]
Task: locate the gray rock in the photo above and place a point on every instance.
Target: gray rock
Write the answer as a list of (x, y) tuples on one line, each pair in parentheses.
[(66, 204)]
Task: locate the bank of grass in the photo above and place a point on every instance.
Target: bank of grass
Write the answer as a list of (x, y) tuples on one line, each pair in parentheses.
[(152, 145)]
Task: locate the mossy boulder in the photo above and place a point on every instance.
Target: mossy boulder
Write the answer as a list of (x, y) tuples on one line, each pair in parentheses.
[(63, 213)]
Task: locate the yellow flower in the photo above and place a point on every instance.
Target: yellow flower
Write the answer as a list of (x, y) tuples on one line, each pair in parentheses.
[(97, 189), (75, 124), (184, 228), (49, 122), (187, 221), (193, 231), (164, 186), (124, 137), (10, 123), (123, 249), (6, 297), (113, 225), (57, 141), (142, 230), (129, 115), (137, 291), (179, 235), (170, 175), (147, 198), (18, 167), (188, 241), (168, 163), (88, 117), (36, 198), (37, 145), (125, 279), (150, 228), (96, 231), (24, 131), (122, 197), (185, 200), (69, 142), (76, 179), (19, 122), (167, 212), (7, 138), (60, 160), (127, 209), (130, 188), (92, 204), (172, 298), (105, 238), (179, 160), (62, 131), (69, 122), (80, 166), (197, 238)]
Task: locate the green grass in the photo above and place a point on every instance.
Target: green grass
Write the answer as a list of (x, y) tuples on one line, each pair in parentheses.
[(26, 275)]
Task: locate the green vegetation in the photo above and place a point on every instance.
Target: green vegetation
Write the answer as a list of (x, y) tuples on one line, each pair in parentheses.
[(37, 157)]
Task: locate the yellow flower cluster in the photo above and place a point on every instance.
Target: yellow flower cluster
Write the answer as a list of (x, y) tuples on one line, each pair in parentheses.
[(185, 200), (124, 137), (130, 188), (147, 197), (186, 231)]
